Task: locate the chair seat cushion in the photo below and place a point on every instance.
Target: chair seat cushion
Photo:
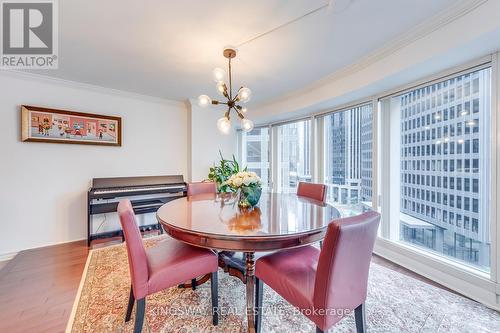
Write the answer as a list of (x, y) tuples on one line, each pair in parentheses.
[(171, 262), (291, 273)]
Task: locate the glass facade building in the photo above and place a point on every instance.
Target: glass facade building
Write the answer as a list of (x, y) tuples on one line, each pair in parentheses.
[(255, 153), (445, 167), (294, 155), (348, 155)]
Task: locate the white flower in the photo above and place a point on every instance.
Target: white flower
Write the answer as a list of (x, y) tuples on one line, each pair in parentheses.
[(237, 182), (243, 178), (248, 180), (255, 179)]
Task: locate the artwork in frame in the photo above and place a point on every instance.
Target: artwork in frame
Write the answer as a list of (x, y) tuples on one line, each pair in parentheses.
[(59, 126)]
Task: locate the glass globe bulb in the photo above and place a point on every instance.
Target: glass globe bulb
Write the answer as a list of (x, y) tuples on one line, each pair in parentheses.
[(247, 125), (244, 94), (243, 110), (219, 74), (204, 101), (224, 125), (221, 87)]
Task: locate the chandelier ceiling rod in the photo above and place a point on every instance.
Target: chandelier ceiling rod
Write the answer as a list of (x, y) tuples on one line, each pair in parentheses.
[(230, 81)]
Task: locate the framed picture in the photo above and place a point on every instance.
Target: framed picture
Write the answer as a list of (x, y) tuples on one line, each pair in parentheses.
[(60, 126)]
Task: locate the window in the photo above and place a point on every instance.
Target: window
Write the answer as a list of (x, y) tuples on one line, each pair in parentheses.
[(462, 231), (347, 155), (255, 153), (293, 155), (434, 180)]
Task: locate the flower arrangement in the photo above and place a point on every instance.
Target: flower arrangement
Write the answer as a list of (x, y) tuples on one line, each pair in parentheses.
[(243, 178), (249, 186), (221, 173)]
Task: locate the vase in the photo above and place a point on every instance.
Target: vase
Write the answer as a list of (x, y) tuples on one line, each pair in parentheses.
[(249, 196)]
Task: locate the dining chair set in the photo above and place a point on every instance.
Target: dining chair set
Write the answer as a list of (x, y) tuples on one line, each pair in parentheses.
[(324, 284)]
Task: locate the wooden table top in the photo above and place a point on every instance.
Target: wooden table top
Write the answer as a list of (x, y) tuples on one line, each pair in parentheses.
[(278, 221)]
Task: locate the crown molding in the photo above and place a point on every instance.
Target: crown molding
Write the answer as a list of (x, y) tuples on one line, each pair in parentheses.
[(90, 87), (7, 256), (443, 18)]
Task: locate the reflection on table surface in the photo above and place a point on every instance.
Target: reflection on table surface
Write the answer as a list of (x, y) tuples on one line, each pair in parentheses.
[(276, 214)]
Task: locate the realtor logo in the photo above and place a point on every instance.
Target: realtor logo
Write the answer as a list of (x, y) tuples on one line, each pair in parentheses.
[(29, 34)]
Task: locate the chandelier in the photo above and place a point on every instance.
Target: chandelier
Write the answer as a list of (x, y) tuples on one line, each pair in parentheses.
[(232, 101)]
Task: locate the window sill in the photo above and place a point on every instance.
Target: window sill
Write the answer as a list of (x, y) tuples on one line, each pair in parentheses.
[(463, 279)]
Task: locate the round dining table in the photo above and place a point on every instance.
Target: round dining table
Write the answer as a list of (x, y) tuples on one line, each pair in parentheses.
[(279, 221)]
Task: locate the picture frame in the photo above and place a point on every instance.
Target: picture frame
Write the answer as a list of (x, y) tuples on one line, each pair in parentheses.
[(39, 124)]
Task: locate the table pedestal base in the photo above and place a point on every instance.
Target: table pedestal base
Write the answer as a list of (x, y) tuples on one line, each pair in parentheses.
[(197, 282), (250, 277)]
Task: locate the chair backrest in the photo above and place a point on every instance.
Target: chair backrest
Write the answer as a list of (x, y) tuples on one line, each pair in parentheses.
[(201, 188), (137, 259), (312, 191), (344, 262)]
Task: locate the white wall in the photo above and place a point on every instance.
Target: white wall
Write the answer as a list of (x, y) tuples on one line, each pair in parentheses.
[(205, 140), (43, 186)]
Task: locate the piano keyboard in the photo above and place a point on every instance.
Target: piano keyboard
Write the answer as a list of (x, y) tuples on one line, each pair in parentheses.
[(136, 189), (146, 194)]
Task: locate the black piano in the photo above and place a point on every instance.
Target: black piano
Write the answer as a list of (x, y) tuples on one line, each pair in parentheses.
[(146, 194)]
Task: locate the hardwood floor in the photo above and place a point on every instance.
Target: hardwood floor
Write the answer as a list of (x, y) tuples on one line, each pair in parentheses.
[(38, 287)]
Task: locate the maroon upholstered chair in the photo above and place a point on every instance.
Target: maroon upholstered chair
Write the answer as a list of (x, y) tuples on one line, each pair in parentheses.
[(312, 191), (201, 188), (194, 189), (324, 284), (162, 266)]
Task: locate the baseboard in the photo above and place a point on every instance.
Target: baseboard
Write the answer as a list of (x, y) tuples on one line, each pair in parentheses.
[(10, 255), (475, 286)]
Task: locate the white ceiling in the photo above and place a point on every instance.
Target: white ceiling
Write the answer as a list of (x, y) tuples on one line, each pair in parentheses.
[(168, 49)]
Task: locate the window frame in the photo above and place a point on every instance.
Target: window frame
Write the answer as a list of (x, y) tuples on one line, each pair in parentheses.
[(391, 165), (468, 281)]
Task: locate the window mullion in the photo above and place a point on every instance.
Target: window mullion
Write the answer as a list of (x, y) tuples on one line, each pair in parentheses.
[(495, 162)]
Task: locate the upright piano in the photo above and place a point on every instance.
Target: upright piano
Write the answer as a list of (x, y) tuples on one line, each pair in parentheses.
[(146, 194)]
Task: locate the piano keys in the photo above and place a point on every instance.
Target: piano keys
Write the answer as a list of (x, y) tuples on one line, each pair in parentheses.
[(146, 194)]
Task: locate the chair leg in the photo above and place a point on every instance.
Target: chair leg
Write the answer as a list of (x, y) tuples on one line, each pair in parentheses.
[(318, 330), (139, 315), (214, 285), (131, 301), (360, 317), (259, 295), (193, 284)]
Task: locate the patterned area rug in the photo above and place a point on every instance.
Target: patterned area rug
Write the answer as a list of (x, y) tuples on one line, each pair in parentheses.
[(396, 303)]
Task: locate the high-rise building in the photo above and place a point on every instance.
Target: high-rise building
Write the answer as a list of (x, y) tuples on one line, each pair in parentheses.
[(255, 153), (349, 161), (294, 152), (444, 167), (294, 155), (366, 142)]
